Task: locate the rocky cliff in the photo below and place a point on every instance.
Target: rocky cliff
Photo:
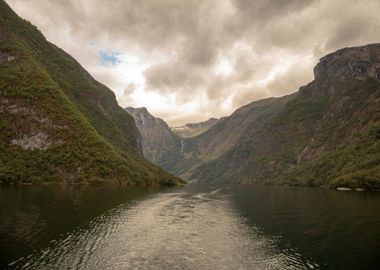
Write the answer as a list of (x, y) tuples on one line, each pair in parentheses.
[(159, 144)]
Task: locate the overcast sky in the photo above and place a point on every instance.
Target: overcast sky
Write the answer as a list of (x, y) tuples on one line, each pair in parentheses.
[(189, 60)]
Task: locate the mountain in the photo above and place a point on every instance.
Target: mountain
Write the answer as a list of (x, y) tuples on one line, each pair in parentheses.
[(159, 144), (59, 124), (326, 134), (194, 129), (224, 136), (182, 156)]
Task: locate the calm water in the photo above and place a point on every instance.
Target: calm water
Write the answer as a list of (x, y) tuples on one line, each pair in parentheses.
[(192, 227)]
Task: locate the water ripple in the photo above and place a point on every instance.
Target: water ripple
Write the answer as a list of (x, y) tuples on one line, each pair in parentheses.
[(174, 230)]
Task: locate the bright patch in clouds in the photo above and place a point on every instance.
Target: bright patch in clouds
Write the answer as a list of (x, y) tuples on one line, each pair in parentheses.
[(152, 100), (223, 67)]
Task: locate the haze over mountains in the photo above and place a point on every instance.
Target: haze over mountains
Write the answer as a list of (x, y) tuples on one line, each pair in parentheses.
[(57, 123), (193, 129), (326, 134)]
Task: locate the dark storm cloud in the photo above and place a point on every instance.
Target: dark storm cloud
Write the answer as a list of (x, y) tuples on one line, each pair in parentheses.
[(217, 51), (265, 11)]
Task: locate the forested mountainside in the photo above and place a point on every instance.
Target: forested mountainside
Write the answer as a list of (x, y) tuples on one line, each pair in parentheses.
[(57, 123), (225, 135), (326, 134)]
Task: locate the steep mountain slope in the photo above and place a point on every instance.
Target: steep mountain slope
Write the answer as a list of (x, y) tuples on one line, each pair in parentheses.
[(194, 129), (159, 144), (57, 122), (328, 135), (223, 136)]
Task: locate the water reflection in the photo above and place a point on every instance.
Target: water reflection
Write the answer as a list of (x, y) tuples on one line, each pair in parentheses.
[(338, 230), (181, 229), (32, 216), (193, 227)]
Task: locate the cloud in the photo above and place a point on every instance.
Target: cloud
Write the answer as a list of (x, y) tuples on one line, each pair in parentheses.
[(173, 76), (130, 89), (190, 60)]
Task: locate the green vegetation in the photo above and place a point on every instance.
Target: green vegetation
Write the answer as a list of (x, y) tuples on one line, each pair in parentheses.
[(356, 165), (57, 124)]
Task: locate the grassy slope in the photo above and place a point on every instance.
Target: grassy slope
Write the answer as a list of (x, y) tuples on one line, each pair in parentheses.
[(244, 129), (45, 91), (348, 140), (201, 153)]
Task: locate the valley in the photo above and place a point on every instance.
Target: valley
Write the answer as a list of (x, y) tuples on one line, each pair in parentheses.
[(189, 135)]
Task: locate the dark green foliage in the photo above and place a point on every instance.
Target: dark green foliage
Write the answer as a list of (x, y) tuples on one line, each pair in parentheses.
[(355, 166)]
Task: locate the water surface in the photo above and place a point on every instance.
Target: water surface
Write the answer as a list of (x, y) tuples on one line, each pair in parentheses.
[(192, 227)]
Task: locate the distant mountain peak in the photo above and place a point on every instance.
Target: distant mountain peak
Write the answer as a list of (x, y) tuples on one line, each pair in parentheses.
[(194, 129), (137, 109), (157, 138)]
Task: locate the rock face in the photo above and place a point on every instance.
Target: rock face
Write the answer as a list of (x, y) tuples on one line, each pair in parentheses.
[(357, 63), (326, 134), (6, 58), (38, 141), (159, 144), (57, 123), (194, 129)]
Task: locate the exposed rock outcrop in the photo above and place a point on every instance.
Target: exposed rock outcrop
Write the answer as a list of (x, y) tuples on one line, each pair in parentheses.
[(6, 58), (39, 141), (159, 144), (350, 63)]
